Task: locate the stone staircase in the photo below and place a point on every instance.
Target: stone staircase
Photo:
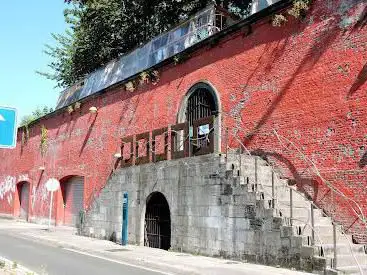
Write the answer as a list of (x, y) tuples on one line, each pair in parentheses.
[(257, 176)]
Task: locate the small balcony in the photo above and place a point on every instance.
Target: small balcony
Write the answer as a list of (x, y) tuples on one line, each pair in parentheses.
[(172, 142)]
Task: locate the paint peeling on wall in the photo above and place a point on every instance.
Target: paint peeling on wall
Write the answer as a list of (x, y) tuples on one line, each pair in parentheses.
[(43, 193), (33, 196)]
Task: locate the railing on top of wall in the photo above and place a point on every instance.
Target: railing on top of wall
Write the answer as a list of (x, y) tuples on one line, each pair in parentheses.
[(172, 142)]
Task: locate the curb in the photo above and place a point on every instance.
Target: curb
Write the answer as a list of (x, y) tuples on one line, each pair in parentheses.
[(9, 267), (7, 217), (143, 263)]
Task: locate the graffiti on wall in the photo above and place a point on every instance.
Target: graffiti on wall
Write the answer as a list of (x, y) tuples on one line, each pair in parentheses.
[(7, 189)]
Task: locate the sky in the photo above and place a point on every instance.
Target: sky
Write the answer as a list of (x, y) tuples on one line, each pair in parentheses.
[(25, 27)]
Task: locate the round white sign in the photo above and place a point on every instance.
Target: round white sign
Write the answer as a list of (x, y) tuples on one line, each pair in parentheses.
[(52, 185)]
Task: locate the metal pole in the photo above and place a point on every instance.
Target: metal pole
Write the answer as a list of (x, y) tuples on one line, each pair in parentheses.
[(50, 211), (255, 173), (240, 171), (334, 242), (272, 190), (190, 140), (226, 144), (291, 205), (125, 219), (313, 226)]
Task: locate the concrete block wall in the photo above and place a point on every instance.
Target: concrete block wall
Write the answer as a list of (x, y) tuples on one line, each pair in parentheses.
[(211, 213)]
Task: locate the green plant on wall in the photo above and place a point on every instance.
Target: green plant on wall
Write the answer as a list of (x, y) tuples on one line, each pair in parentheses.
[(155, 77), (279, 20), (144, 78), (70, 109), (77, 105), (43, 144), (299, 7), (27, 120), (298, 10), (129, 86), (25, 134)]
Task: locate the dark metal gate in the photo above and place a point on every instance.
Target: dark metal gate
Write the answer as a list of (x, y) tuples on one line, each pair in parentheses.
[(200, 104), (157, 222)]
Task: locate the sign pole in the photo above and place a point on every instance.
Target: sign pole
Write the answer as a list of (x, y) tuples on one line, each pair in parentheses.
[(52, 185), (49, 216)]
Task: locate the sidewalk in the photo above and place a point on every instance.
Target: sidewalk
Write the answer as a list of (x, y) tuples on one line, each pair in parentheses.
[(143, 257), (8, 267)]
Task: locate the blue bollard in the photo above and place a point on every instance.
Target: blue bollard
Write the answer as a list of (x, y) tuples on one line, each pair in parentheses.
[(125, 218)]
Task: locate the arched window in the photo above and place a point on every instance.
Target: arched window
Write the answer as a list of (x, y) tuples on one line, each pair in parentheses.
[(200, 111), (201, 103)]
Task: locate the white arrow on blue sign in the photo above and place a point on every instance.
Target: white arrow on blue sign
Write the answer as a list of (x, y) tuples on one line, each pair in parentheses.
[(8, 127)]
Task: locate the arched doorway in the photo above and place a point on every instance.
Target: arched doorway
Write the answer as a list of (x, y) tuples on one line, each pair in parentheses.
[(72, 190), (157, 233), (199, 104), (23, 195)]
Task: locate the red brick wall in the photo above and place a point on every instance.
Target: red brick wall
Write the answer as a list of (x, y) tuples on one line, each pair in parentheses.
[(307, 80)]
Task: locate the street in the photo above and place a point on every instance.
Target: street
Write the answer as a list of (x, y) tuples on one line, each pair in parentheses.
[(47, 259), (61, 251)]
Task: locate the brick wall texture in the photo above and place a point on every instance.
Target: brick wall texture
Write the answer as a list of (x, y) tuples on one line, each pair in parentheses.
[(306, 79)]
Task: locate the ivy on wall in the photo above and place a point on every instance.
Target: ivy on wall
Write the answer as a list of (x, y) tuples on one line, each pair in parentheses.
[(44, 139), (299, 9)]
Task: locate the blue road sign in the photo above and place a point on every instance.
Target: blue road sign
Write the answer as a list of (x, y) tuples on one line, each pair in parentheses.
[(8, 127)]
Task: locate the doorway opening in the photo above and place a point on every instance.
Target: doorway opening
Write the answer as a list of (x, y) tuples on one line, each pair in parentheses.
[(23, 194), (157, 222), (72, 191)]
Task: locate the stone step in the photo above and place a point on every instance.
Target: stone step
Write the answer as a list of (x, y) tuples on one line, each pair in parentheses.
[(328, 239), (283, 193), (320, 230), (300, 212), (300, 221), (295, 204), (350, 260), (280, 192), (353, 269), (328, 249)]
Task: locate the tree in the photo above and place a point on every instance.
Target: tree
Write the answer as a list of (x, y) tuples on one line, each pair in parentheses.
[(36, 114), (101, 30)]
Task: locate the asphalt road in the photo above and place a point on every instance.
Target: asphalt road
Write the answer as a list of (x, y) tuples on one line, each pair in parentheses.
[(45, 259)]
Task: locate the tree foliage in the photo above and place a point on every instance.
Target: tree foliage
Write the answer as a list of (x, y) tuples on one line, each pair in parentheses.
[(101, 30), (39, 112)]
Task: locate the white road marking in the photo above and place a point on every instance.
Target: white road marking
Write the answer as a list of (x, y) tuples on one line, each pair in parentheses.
[(2, 118), (118, 262)]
